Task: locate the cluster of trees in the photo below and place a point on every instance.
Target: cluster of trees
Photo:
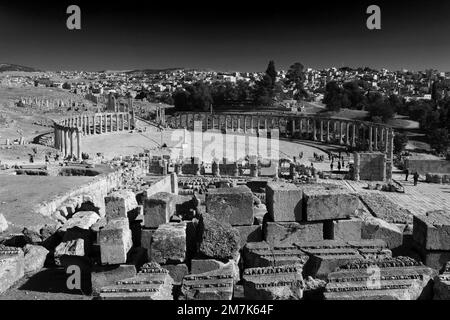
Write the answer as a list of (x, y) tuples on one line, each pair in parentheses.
[(263, 93)]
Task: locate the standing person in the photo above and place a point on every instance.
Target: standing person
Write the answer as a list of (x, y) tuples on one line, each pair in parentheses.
[(416, 178), (407, 174), (339, 166), (331, 166)]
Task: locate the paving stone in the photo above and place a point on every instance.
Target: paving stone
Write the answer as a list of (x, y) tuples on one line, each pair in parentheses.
[(231, 205), (158, 209), (276, 233), (168, 244), (273, 283), (284, 201), (119, 204), (115, 242)]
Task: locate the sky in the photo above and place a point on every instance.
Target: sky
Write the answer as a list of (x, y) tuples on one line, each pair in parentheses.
[(226, 35)]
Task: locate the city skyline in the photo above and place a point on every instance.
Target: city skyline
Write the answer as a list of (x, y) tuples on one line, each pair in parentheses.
[(233, 38)]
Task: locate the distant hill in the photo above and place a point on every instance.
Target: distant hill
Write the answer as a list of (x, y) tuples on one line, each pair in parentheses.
[(14, 67), (152, 71)]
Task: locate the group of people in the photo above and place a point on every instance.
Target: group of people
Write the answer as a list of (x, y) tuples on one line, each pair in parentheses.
[(415, 176), (339, 160), (318, 158)]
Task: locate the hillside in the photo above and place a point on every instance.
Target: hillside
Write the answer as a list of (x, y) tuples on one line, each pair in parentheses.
[(15, 67)]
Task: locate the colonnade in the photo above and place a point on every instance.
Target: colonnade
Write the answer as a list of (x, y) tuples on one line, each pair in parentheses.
[(69, 131)]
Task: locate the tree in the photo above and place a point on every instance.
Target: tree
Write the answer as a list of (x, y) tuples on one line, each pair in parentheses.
[(271, 73), (381, 109), (264, 93), (439, 140), (66, 86), (335, 98), (295, 78), (400, 142)]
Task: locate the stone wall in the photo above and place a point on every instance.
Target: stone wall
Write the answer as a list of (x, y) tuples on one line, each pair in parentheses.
[(369, 166), (428, 166)]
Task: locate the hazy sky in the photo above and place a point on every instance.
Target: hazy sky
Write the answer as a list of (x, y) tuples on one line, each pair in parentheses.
[(225, 35)]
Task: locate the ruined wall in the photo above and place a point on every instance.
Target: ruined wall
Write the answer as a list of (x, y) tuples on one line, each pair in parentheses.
[(428, 166), (369, 166)]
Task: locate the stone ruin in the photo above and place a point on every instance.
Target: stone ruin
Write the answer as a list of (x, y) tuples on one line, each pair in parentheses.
[(303, 241)]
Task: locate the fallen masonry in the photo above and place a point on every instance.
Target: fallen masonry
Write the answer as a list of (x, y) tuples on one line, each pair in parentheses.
[(400, 278), (442, 284), (12, 266), (151, 283)]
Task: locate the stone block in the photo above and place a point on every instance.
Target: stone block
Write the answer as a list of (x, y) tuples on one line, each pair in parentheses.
[(273, 283), (345, 230), (119, 203), (115, 242), (284, 201), (177, 272), (291, 232), (432, 231), (205, 265), (442, 284), (231, 205), (375, 228), (82, 220), (151, 283), (249, 234), (106, 276), (212, 285), (158, 209), (146, 240), (261, 254), (74, 247), (169, 243), (12, 266), (324, 203), (34, 258), (218, 239), (400, 278), (326, 256)]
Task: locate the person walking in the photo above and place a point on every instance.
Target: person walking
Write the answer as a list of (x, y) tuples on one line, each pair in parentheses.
[(416, 178), (407, 174)]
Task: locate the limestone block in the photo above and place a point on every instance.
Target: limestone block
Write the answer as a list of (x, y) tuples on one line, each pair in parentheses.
[(205, 265), (345, 229), (284, 201), (432, 231), (261, 254), (291, 232), (249, 234), (158, 209), (82, 220), (34, 258), (74, 247), (146, 240), (177, 272), (323, 203), (231, 205), (119, 203), (442, 284), (218, 240), (273, 283), (115, 242), (106, 276), (168, 244), (212, 285), (375, 228), (12, 266)]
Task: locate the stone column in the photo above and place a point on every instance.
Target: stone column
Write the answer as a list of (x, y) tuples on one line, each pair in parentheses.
[(328, 131), (376, 139), (321, 130), (354, 134), (78, 144), (293, 126), (66, 142), (101, 123), (370, 139), (123, 122), (314, 130), (341, 133), (347, 133), (71, 141)]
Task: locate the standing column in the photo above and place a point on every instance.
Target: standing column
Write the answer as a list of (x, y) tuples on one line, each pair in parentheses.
[(61, 139), (370, 138), (347, 133), (314, 130), (376, 139), (321, 130), (301, 127), (354, 134), (78, 144), (123, 122), (101, 123), (341, 133), (328, 131), (71, 141), (293, 126), (66, 142)]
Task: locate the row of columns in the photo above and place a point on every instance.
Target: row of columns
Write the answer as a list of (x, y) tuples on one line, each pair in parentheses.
[(68, 132), (343, 132)]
